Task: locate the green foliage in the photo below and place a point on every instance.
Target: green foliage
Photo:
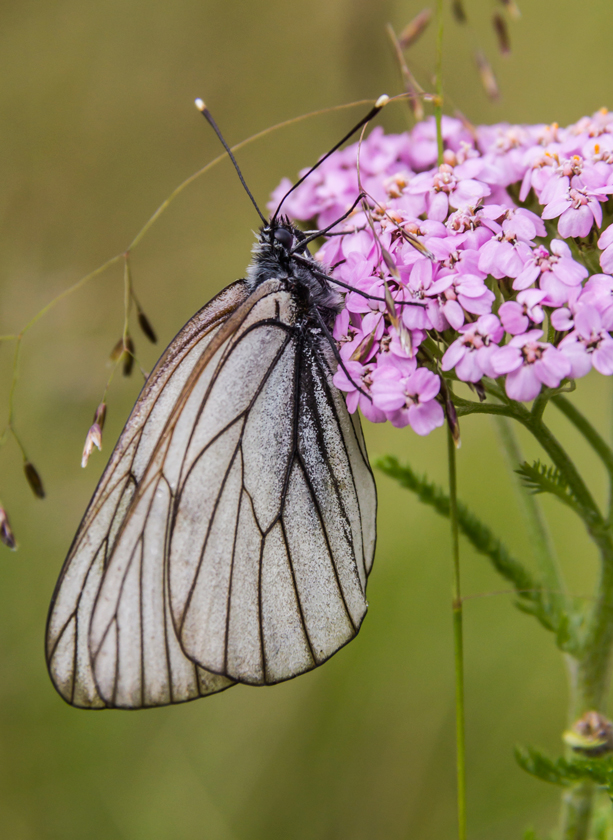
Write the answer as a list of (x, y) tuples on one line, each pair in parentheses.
[(479, 535), (530, 834), (531, 597), (563, 772), (541, 478)]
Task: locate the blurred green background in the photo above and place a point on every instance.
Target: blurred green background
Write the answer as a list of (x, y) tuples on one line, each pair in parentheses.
[(97, 128)]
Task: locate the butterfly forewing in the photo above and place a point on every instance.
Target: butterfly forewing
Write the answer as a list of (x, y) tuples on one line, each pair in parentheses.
[(67, 647), (232, 533)]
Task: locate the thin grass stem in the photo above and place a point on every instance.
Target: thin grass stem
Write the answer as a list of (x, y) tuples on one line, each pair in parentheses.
[(458, 643), (438, 105)]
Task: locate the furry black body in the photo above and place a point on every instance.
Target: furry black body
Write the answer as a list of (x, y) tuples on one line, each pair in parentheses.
[(277, 254)]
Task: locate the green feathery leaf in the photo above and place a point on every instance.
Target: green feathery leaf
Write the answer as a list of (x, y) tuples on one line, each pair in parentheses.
[(563, 772), (541, 478), (531, 598), (476, 532)]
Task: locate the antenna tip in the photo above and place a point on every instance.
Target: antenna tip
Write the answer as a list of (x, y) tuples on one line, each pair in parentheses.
[(200, 105), (382, 101)]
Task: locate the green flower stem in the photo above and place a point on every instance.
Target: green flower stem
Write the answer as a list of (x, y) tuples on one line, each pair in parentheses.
[(598, 444), (458, 647), (591, 515), (590, 679), (577, 805), (590, 670), (538, 533)]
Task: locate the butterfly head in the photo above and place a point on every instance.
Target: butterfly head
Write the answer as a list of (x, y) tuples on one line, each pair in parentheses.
[(284, 238), (281, 252), (273, 252)]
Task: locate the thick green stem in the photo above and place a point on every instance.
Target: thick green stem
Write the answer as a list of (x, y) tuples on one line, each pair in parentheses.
[(593, 670), (577, 812), (458, 648), (590, 669), (591, 683)]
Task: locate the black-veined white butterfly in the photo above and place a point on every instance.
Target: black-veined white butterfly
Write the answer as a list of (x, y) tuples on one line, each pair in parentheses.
[(233, 530)]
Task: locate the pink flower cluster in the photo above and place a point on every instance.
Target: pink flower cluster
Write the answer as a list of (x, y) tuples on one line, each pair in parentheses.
[(496, 264)]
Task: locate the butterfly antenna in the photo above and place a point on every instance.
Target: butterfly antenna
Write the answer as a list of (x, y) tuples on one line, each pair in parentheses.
[(209, 118), (379, 104)]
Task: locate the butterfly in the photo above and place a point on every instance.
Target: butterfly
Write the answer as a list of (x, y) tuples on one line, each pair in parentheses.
[(231, 535)]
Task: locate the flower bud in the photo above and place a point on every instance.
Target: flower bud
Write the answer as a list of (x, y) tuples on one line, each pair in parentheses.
[(360, 354), (414, 29), (6, 532), (488, 80), (100, 415), (94, 438), (390, 305), (145, 325), (128, 357), (591, 735), (391, 265), (452, 420), (479, 390), (416, 243), (34, 480), (117, 351), (124, 351)]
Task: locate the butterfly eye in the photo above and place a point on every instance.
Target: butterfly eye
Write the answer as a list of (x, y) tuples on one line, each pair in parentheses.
[(284, 236)]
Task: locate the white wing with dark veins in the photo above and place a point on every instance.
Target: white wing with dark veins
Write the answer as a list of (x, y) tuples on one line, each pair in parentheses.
[(231, 544)]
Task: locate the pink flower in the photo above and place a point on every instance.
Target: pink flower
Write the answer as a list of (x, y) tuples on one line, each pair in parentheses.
[(605, 243), (516, 316), (460, 293), (458, 249), (470, 354), (598, 291), (449, 185), (410, 400), (563, 319), (556, 272), (590, 343), (529, 364), (358, 379), (504, 147), (515, 222), (578, 209), (502, 257)]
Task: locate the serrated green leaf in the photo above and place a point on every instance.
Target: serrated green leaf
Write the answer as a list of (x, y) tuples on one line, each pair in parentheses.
[(541, 478), (534, 762), (562, 772), (530, 596)]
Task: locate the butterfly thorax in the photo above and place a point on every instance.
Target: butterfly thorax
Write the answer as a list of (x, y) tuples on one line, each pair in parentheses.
[(277, 254)]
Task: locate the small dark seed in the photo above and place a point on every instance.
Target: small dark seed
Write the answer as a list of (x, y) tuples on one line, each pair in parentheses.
[(34, 480), (146, 327)]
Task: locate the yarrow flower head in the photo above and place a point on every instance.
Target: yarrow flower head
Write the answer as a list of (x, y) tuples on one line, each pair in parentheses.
[(480, 269)]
